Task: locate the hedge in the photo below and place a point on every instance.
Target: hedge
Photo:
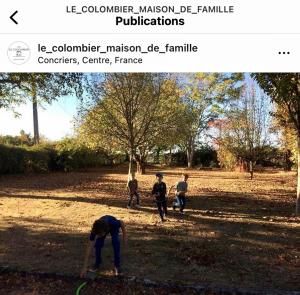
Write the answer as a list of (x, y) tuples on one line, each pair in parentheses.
[(44, 158)]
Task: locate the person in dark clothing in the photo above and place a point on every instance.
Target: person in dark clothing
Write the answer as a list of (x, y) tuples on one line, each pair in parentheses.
[(101, 228), (159, 192)]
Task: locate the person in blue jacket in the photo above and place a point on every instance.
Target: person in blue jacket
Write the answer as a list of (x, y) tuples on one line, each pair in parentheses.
[(101, 228)]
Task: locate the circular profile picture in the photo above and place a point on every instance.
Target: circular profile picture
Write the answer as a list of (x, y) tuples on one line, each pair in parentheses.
[(18, 53)]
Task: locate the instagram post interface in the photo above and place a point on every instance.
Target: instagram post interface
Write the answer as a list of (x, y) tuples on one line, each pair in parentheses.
[(149, 147)]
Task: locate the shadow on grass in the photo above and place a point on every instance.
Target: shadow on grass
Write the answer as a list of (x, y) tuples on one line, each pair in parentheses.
[(60, 180), (217, 252), (244, 203), (226, 203)]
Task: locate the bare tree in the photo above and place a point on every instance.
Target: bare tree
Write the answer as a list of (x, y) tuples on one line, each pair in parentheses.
[(246, 131)]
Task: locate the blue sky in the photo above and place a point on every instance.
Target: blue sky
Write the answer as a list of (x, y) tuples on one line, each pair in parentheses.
[(55, 120)]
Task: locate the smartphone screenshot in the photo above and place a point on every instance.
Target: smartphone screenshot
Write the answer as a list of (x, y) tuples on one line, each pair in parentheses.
[(149, 147)]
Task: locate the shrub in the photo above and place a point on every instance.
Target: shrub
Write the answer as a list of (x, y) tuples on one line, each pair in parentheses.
[(206, 156), (73, 156), (23, 159), (12, 159), (66, 155), (227, 160), (36, 159)]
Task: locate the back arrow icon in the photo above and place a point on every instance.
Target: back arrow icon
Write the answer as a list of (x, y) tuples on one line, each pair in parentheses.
[(12, 17)]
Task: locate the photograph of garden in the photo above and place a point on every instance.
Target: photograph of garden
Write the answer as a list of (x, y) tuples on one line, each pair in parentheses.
[(149, 183)]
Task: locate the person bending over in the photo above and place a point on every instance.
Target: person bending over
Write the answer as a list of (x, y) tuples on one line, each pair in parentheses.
[(101, 228)]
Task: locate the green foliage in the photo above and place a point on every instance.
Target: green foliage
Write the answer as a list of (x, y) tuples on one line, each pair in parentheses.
[(23, 139), (22, 159), (140, 112), (227, 160), (204, 156), (284, 90), (16, 88), (245, 131), (271, 157), (268, 156), (9, 85), (66, 155), (204, 94), (70, 155), (287, 136), (36, 159), (133, 113)]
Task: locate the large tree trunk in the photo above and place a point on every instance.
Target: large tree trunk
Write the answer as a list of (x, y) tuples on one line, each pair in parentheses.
[(251, 169), (36, 137), (190, 155), (171, 156), (130, 164), (156, 160), (141, 164), (298, 176), (242, 165), (287, 161), (141, 167)]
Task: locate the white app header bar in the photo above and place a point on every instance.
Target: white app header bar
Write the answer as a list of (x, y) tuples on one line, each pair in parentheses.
[(153, 16), (150, 36)]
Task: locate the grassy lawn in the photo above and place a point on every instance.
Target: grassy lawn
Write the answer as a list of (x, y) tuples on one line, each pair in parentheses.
[(236, 233)]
